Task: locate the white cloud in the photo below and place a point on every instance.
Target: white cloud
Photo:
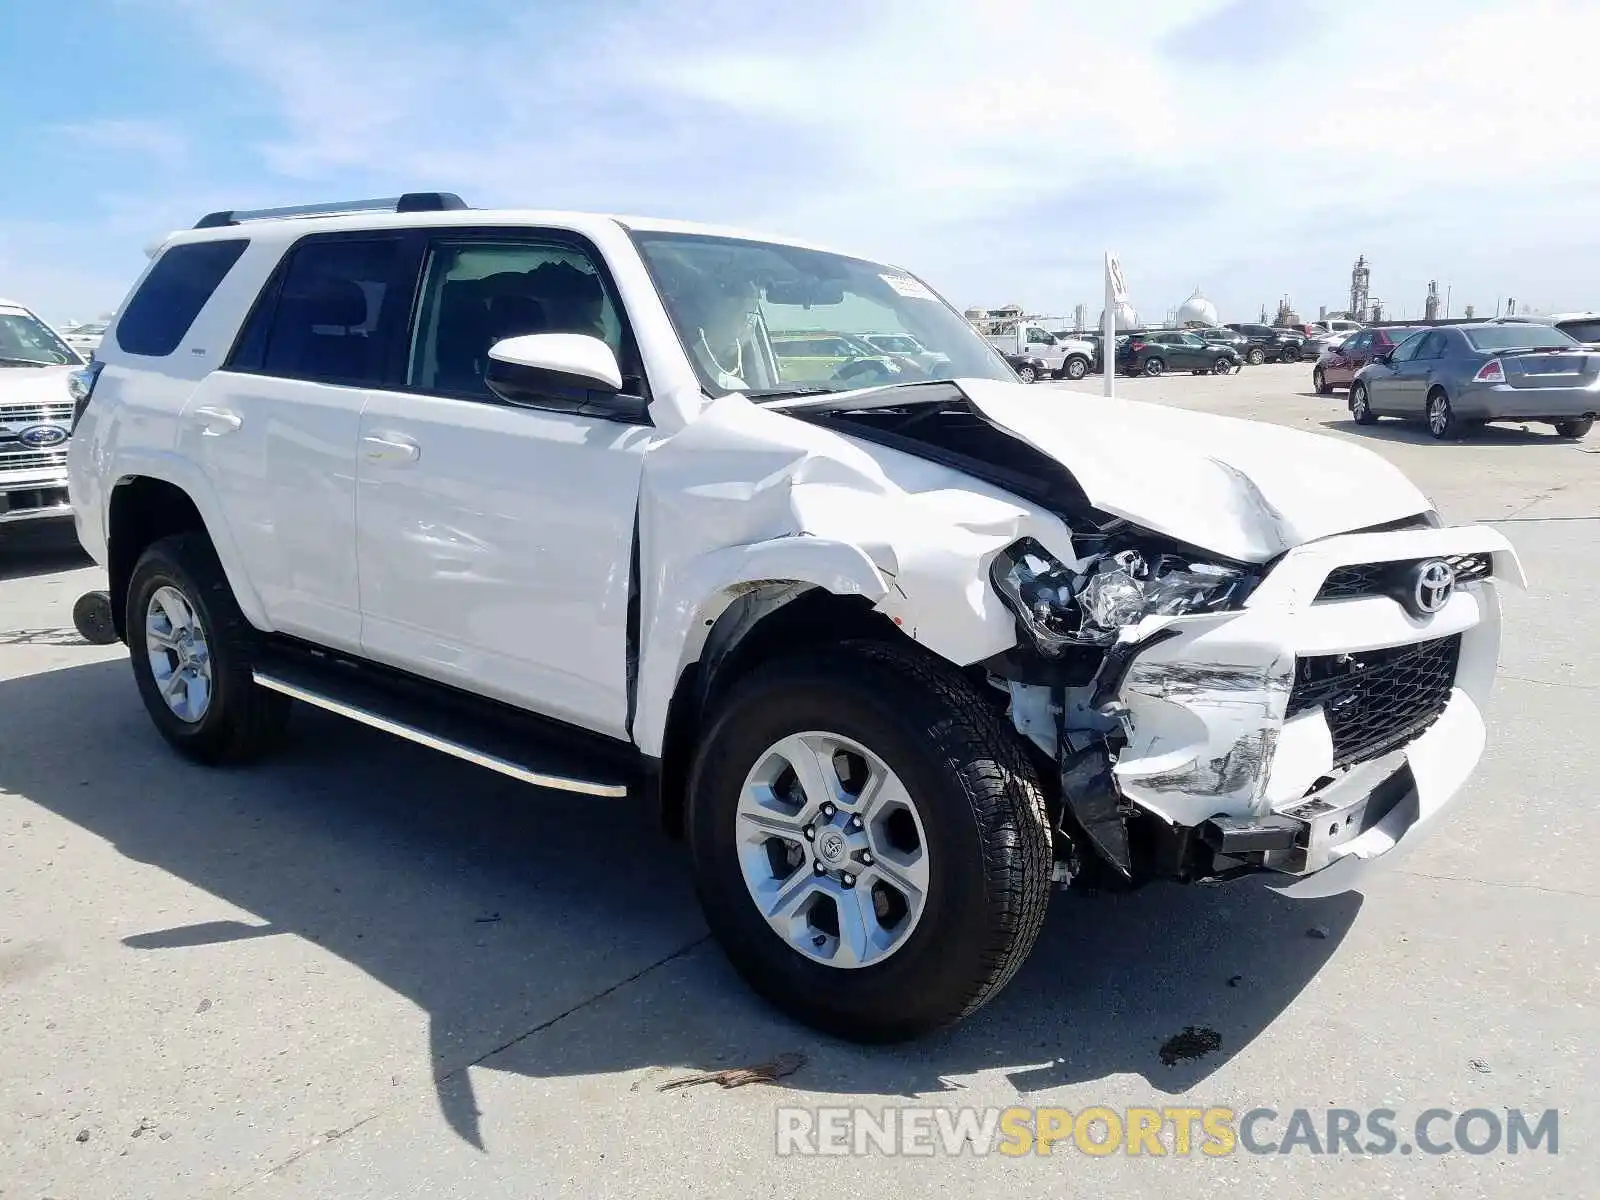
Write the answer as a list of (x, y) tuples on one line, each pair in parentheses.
[(154, 140), (1254, 146)]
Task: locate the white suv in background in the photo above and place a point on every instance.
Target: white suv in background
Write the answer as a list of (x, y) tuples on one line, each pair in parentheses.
[(36, 368), (893, 652)]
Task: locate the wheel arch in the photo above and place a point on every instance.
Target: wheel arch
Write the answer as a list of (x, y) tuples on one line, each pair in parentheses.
[(146, 504), (770, 620)]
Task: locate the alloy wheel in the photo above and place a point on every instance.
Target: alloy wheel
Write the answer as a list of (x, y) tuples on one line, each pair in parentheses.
[(1438, 414), (832, 849), (180, 656)]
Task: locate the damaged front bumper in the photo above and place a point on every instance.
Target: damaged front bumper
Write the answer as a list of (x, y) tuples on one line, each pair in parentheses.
[(1308, 735)]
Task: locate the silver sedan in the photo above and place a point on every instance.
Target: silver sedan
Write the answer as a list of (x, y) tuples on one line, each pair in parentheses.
[(1456, 377)]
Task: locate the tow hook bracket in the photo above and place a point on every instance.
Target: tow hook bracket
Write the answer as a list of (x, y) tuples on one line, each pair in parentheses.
[(1090, 792), (1234, 837)]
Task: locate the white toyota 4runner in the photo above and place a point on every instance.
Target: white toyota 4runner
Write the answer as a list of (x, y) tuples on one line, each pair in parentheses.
[(893, 655)]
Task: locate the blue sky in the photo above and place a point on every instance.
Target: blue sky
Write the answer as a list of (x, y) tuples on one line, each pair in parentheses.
[(1253, 147)]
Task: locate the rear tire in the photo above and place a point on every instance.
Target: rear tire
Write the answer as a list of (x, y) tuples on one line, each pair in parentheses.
[(227, 718), (1361, 405), (1154, 366), (1575, 429), (1255, 356), (983, 837), (1443, 424)]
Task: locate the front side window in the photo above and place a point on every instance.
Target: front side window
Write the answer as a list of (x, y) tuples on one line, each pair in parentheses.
[(1038, 337), (737, 305), (1359, 344), (160, 313), (476, 293), (27, 341)]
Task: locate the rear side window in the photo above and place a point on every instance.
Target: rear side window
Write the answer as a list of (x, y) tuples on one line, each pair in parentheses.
[(1432, 346), (173, 293), (322, 317)]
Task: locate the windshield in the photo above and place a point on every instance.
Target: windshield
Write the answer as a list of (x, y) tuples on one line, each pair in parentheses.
[(772, 320), (26, 339), (1517, 337)]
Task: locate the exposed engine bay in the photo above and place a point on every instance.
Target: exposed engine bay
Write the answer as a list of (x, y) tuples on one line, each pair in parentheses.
[(1188, 734)]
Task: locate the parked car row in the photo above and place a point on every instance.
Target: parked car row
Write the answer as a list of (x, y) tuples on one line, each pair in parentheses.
[(1455, 378)]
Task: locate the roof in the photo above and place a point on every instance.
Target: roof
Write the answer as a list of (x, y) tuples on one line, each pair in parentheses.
[(578, 222)]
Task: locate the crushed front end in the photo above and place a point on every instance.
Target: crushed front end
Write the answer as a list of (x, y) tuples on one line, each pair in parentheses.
[(1302, 718)]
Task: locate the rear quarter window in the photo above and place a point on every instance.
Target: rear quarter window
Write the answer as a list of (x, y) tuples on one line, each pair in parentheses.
[(173, 293)]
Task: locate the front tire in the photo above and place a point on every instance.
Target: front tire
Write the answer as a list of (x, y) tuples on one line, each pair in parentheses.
[(1075, 367), (900, 924), (1320, 382), (1026, 374), (1578, 428), (192, 649), (1223, 366)]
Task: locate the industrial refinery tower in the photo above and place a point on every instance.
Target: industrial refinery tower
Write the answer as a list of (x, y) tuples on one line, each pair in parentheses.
[(1359, 278)]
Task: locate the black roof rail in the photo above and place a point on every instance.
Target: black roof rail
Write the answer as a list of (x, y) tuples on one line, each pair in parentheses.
[(410, 202)]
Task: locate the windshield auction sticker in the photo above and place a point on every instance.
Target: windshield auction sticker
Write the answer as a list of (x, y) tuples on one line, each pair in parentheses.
[(905, 285)]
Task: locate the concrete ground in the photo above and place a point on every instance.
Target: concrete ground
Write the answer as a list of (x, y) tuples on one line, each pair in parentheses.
[(365, 970)]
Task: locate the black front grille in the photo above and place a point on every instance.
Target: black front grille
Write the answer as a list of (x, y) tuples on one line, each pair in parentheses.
[(1389, 578), (1376, 700)]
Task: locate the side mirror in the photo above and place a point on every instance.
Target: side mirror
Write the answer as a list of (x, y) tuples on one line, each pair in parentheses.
[(537, 368), (1383, 356)]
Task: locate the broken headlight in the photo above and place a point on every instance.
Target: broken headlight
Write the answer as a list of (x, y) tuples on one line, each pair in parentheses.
[(1061, 606)]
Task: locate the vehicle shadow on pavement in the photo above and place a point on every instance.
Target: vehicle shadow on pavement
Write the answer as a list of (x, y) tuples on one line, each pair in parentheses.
[(1390, 430), (551, 935), (24, 555)]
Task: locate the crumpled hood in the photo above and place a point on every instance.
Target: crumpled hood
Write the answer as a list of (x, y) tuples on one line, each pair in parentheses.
[(34, 385), (1245, 489)]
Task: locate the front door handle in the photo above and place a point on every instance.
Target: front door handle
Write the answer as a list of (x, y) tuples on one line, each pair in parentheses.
[(390, 448), (214, 422)]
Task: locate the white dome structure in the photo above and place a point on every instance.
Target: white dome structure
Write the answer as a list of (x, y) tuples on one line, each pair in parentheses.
[(1197, 310), (1127, 317)]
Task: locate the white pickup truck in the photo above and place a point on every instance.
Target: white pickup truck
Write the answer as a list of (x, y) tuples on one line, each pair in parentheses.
[(894, 650), (1065, 358), (36, 368)]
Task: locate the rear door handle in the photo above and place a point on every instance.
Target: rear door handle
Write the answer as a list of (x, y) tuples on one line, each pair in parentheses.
[(393, 448), (214, 422)]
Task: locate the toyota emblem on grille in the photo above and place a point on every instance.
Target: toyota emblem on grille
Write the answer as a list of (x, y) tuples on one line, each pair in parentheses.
[(42, 437), (1431, 586)]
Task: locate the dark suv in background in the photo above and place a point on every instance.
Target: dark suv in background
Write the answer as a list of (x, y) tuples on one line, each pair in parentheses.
[(1266, 344), (1157, 351)]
